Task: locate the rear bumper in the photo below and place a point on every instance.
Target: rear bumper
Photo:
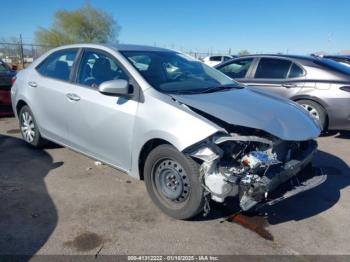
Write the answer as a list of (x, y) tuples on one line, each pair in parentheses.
[(5, 103), (339, 113), (5, 97)]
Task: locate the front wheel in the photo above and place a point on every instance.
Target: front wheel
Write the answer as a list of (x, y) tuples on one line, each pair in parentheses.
[(173, 182)]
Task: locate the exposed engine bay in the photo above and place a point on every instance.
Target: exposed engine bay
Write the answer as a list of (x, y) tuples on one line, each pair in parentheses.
[(249, 165)]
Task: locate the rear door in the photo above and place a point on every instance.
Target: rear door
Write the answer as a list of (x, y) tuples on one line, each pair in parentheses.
[(277, 75), (47, 88)]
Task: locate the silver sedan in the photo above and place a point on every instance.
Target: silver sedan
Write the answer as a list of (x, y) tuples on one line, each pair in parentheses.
[(190, 132)]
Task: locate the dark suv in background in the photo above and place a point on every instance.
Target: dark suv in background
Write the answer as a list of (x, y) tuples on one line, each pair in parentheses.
[(321, 86), (6, 77)]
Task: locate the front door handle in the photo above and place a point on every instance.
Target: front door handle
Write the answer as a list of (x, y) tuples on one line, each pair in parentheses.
[(73, 97), (32, 84)]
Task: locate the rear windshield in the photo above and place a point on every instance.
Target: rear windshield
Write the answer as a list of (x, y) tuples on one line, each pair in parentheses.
[(333, 65)]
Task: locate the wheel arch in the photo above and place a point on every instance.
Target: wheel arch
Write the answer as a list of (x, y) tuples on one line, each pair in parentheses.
[(315, 100), (145, 150), (21, 103)]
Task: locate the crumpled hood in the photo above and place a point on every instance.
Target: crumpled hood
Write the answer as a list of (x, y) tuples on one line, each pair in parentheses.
[(245, 107)]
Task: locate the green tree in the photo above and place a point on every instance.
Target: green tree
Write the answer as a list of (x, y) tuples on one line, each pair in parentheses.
[(243, 52), (84, 25)]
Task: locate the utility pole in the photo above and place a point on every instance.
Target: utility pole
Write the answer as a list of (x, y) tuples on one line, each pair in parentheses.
[(21, 50), (329, 40)]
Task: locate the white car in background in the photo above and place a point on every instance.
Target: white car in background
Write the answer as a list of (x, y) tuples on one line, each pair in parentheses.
[(216, 59)]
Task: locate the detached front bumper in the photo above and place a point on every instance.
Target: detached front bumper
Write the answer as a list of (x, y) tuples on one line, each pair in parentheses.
[(274, 186), (292, 167)]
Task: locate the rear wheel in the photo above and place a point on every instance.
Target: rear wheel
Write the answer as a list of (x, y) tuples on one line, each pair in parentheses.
[(315, 110), (173, 182), (29, 128)]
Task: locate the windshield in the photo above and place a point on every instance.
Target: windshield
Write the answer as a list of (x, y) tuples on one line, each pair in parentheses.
[(172, 72)]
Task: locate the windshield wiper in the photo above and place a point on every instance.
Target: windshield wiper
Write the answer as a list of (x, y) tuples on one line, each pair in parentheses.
[(183, 92), (202, 91), (219, 88)]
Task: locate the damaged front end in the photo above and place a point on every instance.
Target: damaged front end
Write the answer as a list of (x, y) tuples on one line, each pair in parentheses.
[(249, 164)]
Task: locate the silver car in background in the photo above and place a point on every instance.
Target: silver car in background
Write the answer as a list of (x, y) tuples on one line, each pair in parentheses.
[(320, 85), (190, 132)]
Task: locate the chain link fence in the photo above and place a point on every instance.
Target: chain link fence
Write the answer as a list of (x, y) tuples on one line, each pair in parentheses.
[(21, 54)]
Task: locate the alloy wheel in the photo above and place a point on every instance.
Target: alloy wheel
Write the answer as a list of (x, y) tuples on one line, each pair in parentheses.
[(28, 127), (312, 111)]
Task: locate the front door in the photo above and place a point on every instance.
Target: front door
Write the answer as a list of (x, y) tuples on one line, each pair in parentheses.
[(101, 125)]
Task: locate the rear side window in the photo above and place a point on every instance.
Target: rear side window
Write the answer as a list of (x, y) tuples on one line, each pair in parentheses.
[(272, 68), (58, 65), (237, 69), (215, 58), (296, 71)]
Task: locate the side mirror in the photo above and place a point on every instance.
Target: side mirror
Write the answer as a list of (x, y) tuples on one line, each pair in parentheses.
[(118, 87), (14, 67)]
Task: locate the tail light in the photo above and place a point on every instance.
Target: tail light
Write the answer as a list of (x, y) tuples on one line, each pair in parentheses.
[(345, 88), (13, 80)]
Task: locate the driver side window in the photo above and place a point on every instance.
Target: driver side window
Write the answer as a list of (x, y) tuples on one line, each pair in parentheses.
[(98, 67)]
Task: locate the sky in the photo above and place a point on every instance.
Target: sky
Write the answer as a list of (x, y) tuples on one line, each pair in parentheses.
[(266, 26)]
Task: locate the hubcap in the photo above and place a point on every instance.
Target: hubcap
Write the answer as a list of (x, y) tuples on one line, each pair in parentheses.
[(172, 181), (312, 111), (28, 127)]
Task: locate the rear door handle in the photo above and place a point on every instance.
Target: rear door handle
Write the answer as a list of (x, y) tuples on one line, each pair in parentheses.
[(73, 97), (32, 84), (290, 85)]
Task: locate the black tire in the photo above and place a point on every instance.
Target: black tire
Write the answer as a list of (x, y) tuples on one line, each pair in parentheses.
[(322, 115), (37, 140), (166, 158)]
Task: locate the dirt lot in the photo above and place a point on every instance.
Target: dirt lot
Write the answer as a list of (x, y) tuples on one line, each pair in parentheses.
[(56, 201)]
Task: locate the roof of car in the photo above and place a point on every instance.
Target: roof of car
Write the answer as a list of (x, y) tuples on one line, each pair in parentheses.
[(298, 58), (283, 56), (129, 47), (119, 47)]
